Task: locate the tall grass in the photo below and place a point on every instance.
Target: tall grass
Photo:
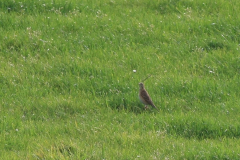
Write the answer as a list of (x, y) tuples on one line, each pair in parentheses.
[(68, 90)]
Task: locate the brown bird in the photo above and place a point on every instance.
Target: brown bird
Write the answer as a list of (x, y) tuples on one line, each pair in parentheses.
[(144, 96)]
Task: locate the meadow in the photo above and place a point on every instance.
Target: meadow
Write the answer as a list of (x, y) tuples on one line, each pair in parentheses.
[(68, 89)]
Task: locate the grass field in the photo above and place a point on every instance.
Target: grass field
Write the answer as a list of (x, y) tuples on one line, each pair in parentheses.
[(68, 90)]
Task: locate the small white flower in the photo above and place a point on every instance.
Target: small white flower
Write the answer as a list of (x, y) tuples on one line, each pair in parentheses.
[(134, 71)]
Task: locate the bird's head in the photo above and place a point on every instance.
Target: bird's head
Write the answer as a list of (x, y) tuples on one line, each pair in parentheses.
[(141, 85)]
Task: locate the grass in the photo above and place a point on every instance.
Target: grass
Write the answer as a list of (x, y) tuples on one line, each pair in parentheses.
[(68, 90)]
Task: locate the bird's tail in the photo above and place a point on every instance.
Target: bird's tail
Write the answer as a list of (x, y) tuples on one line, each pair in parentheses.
[(155, 107)]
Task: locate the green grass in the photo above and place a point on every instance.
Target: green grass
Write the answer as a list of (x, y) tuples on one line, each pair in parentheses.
[(68, 90)]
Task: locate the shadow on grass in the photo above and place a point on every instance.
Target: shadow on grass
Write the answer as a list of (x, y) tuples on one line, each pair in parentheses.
[(215, 45), (135, 107)]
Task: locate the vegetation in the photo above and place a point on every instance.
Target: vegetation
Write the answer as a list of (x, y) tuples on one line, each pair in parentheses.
[(68, 89)]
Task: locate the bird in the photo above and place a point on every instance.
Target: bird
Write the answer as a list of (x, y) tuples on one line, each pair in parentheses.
[(144, 96)]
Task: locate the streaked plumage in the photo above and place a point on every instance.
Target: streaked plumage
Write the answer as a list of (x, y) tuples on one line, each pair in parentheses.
[(144, 96)]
